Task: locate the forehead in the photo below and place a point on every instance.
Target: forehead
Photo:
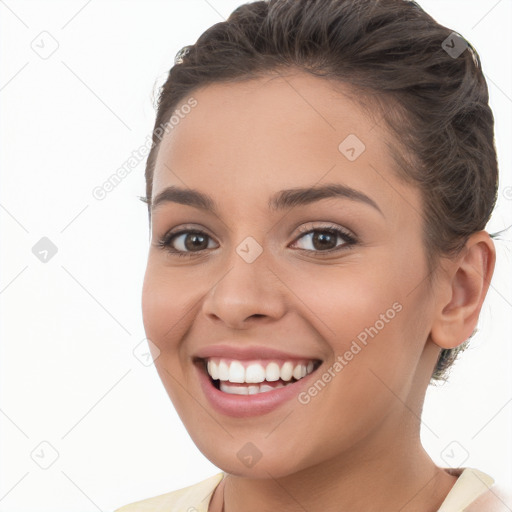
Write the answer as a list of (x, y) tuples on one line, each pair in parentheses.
[(271, 133)]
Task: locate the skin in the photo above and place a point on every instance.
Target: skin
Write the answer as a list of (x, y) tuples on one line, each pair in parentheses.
[(356, 445)]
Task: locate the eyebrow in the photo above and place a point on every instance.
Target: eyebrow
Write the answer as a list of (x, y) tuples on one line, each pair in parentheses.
[(282, 200)]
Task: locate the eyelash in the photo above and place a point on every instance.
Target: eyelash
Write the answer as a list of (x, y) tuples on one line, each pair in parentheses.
[(166, 241)]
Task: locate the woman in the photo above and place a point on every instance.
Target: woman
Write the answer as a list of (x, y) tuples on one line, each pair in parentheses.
[(321, 176)]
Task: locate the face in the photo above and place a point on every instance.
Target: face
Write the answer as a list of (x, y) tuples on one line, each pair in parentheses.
[(331, 284)]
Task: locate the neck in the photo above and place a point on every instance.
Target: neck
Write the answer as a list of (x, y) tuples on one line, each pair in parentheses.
[(386, 471), (400, 477)]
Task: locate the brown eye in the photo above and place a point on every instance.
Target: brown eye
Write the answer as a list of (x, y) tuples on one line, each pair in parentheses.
[(195, 241), (185, 243), (325, 239)]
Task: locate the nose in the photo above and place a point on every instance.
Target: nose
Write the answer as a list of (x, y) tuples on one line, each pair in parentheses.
[(245, 293)]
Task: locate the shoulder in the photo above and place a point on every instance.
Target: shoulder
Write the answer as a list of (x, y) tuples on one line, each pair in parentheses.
[(476, 491), (496, 499), (194, 498)]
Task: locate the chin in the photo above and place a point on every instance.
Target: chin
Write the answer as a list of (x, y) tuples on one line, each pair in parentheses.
[(253, 460), (262, 469)]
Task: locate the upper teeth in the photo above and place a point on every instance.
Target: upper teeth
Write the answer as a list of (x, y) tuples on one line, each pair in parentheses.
[(254, 372)]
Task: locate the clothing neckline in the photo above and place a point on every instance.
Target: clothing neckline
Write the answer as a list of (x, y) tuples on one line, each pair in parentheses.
[(471, 483)]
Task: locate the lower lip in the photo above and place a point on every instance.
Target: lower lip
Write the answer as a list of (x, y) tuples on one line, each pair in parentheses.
[(242, 406)]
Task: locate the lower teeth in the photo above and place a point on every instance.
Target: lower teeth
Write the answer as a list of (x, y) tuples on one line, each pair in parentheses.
[(253, 389)]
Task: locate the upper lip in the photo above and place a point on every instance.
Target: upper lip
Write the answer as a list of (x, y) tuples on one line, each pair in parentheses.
[(247, 352)]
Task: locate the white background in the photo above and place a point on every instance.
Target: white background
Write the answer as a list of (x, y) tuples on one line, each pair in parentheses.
[(69, 326)]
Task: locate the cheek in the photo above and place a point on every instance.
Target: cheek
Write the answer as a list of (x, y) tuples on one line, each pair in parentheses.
[(166, 299), (164, 311), (375, 316), (346, 299)]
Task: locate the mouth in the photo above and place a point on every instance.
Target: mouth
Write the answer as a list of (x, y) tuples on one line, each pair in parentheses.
[(252, 377)]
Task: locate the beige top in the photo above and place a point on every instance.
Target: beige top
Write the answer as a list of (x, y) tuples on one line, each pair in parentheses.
[(474, 491)]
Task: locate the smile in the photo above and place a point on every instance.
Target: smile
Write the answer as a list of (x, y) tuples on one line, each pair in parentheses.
[(242, 377), (251, 380)]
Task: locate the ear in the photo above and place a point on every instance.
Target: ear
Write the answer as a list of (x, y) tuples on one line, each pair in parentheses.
[(461, 291)]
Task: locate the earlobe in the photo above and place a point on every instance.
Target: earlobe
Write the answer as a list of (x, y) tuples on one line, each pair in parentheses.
[(462, 291)]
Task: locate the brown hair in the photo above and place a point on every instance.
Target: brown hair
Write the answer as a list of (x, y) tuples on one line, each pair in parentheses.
[(389, 52)]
